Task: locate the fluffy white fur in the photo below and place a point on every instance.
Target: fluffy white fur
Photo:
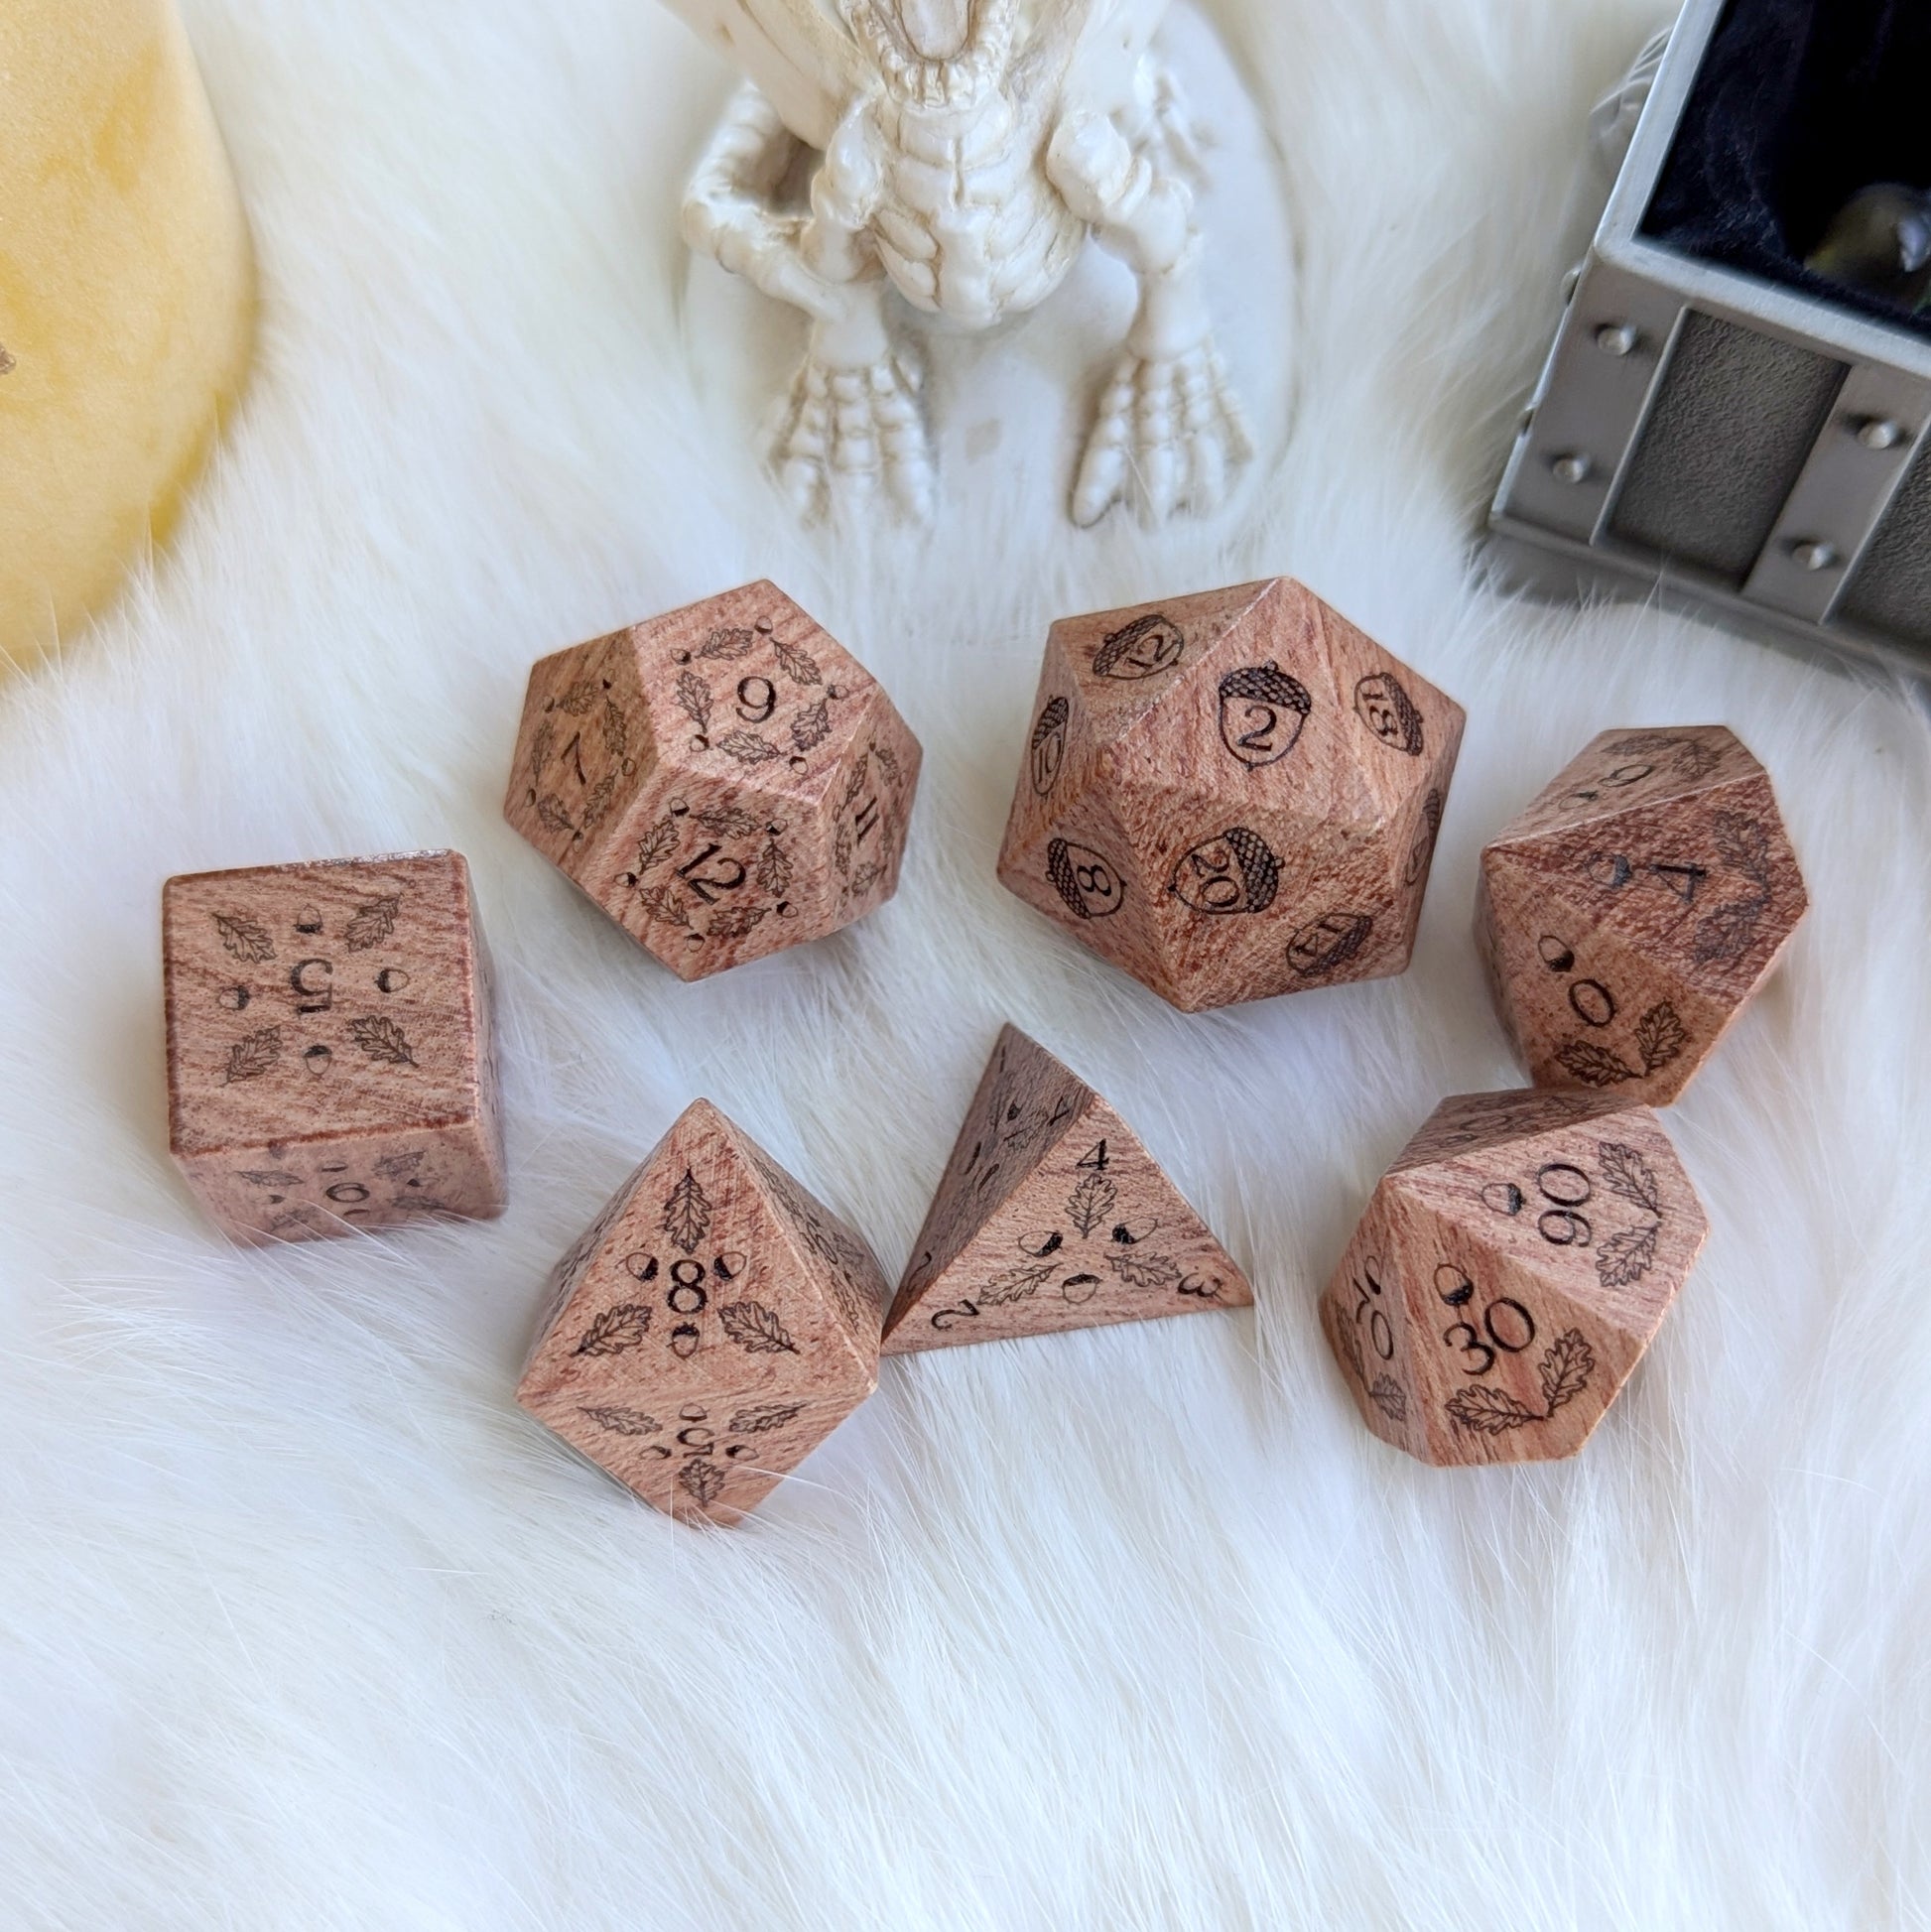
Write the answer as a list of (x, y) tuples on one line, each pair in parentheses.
[(302, 1626)]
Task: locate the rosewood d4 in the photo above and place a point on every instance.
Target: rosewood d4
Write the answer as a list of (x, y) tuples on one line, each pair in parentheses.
[(1513, 1266), (329, 1066), (711, 1328), (1052, 1215), (1232, 795), (724, 781), (1628, 915)]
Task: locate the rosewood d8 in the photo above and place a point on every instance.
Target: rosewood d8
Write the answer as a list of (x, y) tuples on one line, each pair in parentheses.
[(1232, 795), (724, 781), (711, 1329), (1511, 1268), (328, 1046), (1634, 906)]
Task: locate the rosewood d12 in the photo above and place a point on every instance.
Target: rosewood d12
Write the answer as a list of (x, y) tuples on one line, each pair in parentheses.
[(1634, 906), (1511, 1268), (328, 1046), (711, 1329), (1052, 1215), (724, 781), (1232, 795)]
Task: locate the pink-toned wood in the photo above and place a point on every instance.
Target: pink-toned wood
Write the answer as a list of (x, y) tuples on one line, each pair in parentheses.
[(1052, 1215), (1628, 915), (1232, 795), (710, 1329), (724, 781), (329, 1058), (1510, 1270)]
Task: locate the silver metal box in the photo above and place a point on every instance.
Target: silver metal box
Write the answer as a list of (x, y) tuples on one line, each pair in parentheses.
[(1751, 443)]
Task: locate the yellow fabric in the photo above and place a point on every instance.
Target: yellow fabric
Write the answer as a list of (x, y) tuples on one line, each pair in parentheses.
[(126, 299)]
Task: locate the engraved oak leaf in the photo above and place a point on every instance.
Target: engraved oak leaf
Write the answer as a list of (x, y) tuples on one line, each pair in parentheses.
[(799, 664), (888, 760), (253, 1055), (1565, 1369), (695, 695), (812, 726), (1660, 1036), (616, 1330), (765, 1417), (727, 643), (1014, 1285), (1145, 1270), (596, 807), (657, 844), (1093, 1203), (1387, 1396), (552, 815), (687, 1212), (727, 821), (616, 730), (756, 1330), (1626, 1257), (374, 920), (244, 937), (748, 747), (773, 868), (624, 1422), (735, 921), (1493, 1411), (382, 1039), (705, 1481), (1597, 1065), (663, 905), (579, 699), (1628, 1174)]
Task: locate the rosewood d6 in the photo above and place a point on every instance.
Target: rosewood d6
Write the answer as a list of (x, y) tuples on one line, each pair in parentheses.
[(328, 1046), (711, 1328), (1052, 1215), (1511, 1268), (724, 781), (1232, 795), (1632, 910)]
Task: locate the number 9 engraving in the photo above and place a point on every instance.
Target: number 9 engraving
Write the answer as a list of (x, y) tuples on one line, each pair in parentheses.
[(758, 698)]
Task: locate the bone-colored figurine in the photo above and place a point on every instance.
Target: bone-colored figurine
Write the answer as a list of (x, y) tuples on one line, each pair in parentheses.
[(965, 150)]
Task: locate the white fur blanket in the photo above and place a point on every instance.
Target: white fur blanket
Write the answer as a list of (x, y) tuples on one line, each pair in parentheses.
[(302, 1626)]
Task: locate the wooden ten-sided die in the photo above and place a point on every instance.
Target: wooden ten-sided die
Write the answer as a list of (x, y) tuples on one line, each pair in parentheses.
[(711, 1329), (1513, 1266), (1052, 1215), (1232, 795), (724, 781), (329, 1066), (1634, 906)]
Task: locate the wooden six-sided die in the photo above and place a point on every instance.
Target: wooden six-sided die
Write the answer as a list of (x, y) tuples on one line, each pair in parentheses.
[(1232, 795), (1050, 1215), (1634, 906), (724, 781), (1511, 1268), (711, 1328), (329, 1061)]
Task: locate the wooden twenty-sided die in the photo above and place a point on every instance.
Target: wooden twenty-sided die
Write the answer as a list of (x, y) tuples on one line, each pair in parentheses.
[(329, 1066), (1052, 1215), (1514, 1265), (1232, 795), (711, 1329), (1630, 912), (724, 781)]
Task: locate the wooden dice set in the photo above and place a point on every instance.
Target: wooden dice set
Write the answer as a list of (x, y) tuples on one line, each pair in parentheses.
[(1232, 797)]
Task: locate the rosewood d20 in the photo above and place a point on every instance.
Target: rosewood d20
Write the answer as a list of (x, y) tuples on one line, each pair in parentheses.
[(711, 1328), (1628, 915), (1232, 795), (724, 781), (1511, 1268), (1052, 1215), (329, 1066)]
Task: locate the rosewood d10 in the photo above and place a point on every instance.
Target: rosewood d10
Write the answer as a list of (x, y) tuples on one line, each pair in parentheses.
[(710, 1329), (328, 1046), (1232, 795), (724, 781), (1511, 1268), (1631, 911)]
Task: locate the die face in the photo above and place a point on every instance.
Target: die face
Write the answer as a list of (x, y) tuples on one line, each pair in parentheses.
[(1621, 943), (328, 1046), (1523, 1253), (1085, 1230), (700, 1342), (1267, 796), (774, 801)]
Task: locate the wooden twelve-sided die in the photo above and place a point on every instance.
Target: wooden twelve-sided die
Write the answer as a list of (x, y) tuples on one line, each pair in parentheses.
[(724, 781), (329, 1066), (1232, 795)]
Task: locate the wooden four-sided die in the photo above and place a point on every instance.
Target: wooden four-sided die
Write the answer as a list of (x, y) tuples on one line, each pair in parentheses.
[(1052, 1215), (711, 1329), (1634, 906), (1232, 795), (1513, 1266), (329, 1066), (724, 781)]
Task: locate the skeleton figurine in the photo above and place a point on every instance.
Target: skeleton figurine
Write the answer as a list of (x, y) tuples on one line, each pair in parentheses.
[(965, 150)]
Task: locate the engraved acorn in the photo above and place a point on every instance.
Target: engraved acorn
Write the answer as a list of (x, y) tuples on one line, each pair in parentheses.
[(1390, 713), (1142, 649), (1327, 943), (1049, 745), (1232, 873), (1262, 712), (1085, 879)]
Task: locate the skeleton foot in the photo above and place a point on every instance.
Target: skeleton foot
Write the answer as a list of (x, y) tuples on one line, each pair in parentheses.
[(849, 435), (1169, 437)]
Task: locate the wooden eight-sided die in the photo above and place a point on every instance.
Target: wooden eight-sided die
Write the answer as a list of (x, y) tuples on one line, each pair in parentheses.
[(1232, 795), (1511, 1268), (723, 781), (1632, 908), (330, 1060)]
